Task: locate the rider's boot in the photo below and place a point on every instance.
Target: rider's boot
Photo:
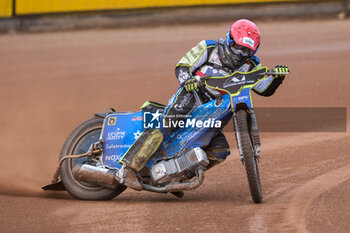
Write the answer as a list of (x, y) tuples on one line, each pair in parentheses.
[(213, 160), (217, 150), (137, 156)]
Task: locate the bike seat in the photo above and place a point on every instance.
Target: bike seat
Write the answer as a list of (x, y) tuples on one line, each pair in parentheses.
[(151, 106)]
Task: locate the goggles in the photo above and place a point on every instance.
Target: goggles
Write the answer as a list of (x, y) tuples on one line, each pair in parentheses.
[(239, 49)]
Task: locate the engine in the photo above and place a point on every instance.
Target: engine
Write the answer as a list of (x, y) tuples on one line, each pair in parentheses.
[(183, 167)]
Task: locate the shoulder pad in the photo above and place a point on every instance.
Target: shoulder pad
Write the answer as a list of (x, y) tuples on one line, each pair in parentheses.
[(255, 60), (211, 43)]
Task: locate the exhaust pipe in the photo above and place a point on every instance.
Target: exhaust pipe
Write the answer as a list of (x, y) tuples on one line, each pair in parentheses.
[(91, 174)]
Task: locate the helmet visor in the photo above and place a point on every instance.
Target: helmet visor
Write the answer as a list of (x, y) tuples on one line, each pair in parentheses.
[(241, 50)]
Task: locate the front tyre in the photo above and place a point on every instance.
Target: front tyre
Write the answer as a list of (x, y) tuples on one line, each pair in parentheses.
[(250, 161), (79, 142)]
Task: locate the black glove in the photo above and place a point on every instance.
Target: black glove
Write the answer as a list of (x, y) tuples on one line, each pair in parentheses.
[(191, 85), (281, 69)]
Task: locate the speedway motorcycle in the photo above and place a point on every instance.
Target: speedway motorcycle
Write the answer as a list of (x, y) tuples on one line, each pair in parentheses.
[(92, 155)]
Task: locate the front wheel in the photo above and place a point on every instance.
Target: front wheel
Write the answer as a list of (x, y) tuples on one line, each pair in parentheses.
[(249, 159), (79, 142)]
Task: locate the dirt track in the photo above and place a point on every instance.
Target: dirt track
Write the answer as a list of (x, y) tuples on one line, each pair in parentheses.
[(50, 82)]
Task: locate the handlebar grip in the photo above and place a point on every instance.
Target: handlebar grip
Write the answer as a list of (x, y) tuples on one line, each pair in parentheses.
[(274, 73)]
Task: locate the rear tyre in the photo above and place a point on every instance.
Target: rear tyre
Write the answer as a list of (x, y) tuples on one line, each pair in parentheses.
[(250, 161), (79, 142)]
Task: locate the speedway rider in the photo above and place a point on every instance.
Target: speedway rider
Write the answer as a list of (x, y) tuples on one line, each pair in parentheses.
[(223, 57)]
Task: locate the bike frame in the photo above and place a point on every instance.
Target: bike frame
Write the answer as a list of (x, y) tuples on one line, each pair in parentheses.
[(121, 129)]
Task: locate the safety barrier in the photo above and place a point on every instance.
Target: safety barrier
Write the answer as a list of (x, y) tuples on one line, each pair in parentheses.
[(10, 8), (40, 6)]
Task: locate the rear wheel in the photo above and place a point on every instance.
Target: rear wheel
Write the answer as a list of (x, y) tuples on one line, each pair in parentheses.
[(250, 161), (79, 142)]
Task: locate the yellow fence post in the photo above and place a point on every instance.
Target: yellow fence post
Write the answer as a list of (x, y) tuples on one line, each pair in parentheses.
[(6, 8)]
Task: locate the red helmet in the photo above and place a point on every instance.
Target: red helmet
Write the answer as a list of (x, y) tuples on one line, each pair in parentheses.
[(244, 33), (242, 42)]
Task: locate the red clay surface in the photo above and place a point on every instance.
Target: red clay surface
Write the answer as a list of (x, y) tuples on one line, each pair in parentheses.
[(51, 82)]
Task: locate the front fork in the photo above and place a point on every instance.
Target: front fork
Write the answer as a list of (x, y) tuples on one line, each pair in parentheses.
[(254, 135)]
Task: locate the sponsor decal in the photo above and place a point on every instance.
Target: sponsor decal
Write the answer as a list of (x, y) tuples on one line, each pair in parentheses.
[(200, 47), (216, 113), (113, 158), (235, 81), (189, 136), (184, 102), (211, 71), (248, 41), (243, 98), (117, 146), (116, 135), (112, 121), (193, 54), (137, 134), (137, 118), (183, 76), (209, 105)]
